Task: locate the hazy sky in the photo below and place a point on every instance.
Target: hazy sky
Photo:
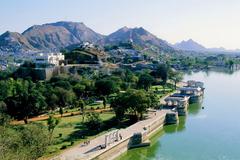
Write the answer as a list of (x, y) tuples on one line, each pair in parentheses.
[(213, 23)]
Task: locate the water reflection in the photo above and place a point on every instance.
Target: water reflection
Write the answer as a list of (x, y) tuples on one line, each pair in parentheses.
[(204, 134), (170, 129), (145, 153), (152, 151), (194, 108), (208, 72)]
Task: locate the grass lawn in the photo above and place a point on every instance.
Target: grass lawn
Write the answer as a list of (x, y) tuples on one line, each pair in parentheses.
[(87, 107), (70, 129), (160, 91)]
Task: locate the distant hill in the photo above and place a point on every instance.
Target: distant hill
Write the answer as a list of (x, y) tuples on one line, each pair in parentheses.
[(137, 36), (14, 42), (189, 45), (58, 35)]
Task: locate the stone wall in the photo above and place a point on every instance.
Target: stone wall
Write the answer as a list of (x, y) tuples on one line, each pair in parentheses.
[(122, 147), (115, 151)]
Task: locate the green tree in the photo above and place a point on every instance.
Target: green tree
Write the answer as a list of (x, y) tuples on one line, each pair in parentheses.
[(138, 102), (145, 81), (133, 101), (154, 100), (52, 101), (4, 92), (162, 72), (52, 122), (104, 101), (94, 121), (61, 111), (119, 105), (35, 139), (4, 117), (25, 101), (25, 142), (65, 97), (79, 90), (106, 87), (175, 76), (81, 105)]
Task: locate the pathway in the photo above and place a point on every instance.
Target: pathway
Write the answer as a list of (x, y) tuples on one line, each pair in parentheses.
[(89, 151)]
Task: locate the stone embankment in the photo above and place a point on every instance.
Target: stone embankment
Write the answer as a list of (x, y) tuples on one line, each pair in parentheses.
[(122, 139)]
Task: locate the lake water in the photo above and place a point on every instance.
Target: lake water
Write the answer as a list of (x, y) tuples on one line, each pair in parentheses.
[(212, 133)]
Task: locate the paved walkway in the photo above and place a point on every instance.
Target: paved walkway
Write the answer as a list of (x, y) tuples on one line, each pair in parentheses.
[(91, 150)]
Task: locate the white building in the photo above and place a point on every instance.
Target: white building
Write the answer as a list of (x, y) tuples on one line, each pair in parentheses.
[(49, 58)]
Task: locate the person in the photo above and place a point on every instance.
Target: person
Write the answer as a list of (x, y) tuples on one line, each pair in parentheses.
[(120, 136)]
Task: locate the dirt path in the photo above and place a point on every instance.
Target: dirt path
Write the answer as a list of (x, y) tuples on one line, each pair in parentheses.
[(44, 117)]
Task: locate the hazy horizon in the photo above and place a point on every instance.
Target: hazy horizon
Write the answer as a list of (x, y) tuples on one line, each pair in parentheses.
[(211, 23)]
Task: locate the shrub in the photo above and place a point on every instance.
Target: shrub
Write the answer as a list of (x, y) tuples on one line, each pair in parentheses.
[(63, 147)]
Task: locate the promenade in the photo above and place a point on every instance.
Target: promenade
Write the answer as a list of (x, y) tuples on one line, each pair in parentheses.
[(92, 150)]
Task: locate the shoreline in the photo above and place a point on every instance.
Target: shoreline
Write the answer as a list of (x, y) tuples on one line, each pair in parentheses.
[(154, 122)]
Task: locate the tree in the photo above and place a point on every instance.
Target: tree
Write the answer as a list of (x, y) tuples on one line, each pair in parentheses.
[(154, 100), (94, 121), (175, 77), (52, 101), (162, 72), (26, 100), (10, 142), (79, 89), (52, 122), (81, 105), (61, 111), (145, 81), (4, 117), (4, 92), (230, 63), (130, 78), (133, 101), (23, 142), (138, 102), (65, 97), (118, 105), (35, 139), (104, 101), (106, 87)]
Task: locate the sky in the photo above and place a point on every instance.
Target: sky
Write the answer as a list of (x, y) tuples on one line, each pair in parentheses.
[(212, 23)]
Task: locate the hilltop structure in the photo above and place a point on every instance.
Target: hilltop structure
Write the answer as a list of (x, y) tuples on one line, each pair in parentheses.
[(54, 59)]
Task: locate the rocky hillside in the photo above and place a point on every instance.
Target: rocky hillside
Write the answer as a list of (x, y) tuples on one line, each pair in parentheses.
[(14, 42), (137, 36), (59, 35), (189, 45), (55, 36)]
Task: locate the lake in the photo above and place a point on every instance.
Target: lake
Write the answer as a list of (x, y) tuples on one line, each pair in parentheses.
[(212, 133)]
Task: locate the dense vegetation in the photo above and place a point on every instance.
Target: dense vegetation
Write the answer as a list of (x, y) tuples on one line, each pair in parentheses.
[(128, 93)]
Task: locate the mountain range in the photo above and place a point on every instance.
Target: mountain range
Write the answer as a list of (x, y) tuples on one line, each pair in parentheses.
[(47, 37), (56, 36), (138, 36), (191, 45)]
